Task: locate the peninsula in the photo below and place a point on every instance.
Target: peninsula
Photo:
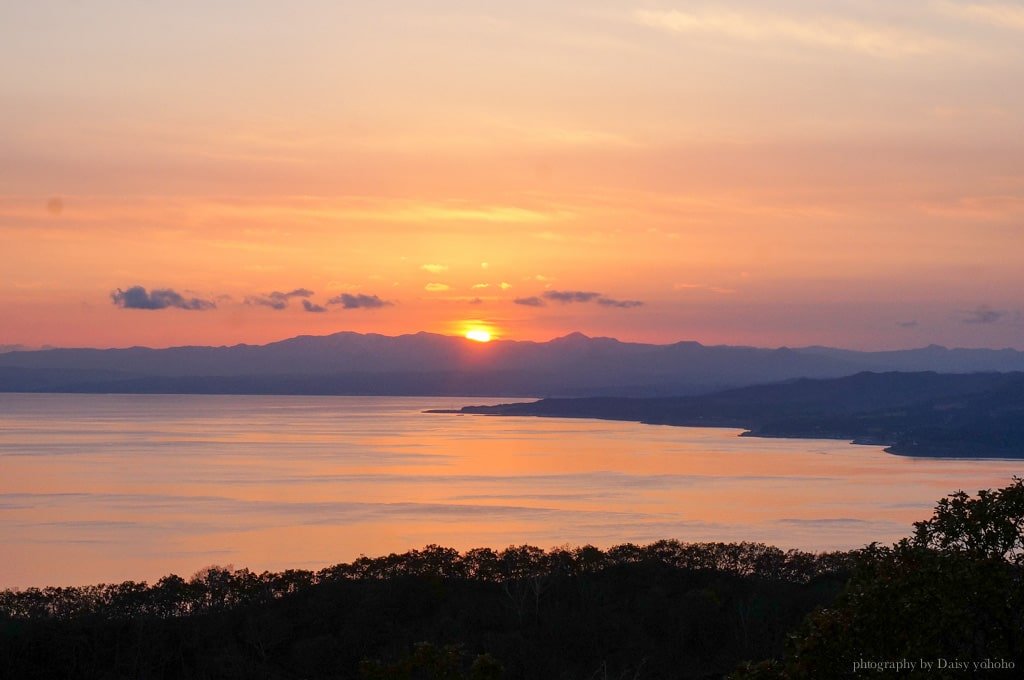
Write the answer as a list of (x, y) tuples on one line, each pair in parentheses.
[(976, 415)]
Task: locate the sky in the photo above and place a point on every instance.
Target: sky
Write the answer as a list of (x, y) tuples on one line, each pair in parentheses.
[(760, 172)]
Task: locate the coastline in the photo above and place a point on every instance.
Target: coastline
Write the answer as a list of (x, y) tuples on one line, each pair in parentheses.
[(935, 450)]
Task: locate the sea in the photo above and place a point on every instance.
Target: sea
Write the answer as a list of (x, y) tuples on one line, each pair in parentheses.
[(108, 488)]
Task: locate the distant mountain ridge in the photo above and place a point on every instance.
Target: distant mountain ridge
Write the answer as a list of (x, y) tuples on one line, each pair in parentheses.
[(431, 364)]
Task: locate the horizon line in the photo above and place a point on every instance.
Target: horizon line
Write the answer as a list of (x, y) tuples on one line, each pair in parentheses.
[(499, 340)]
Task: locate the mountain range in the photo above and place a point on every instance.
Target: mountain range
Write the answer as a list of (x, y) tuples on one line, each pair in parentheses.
[(431, 364)]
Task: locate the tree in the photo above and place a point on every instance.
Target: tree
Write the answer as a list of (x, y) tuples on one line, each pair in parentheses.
[(991, 525), (953, 590)]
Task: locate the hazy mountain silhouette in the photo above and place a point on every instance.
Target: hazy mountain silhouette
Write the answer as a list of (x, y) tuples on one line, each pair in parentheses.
[(425, 363)]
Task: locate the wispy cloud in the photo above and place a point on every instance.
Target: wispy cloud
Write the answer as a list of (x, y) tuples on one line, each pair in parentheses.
[(983, 314), (397, 210), (567, 296), (313, 307), (703, 286), (277, 300), (436, 287), (623, 304), (434, 268), (136, 297), (496, 214), (358, 301), (571, 296), (821, 32), (1001, 14)]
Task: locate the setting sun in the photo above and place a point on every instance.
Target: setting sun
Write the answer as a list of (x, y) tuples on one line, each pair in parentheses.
[(479, 335)]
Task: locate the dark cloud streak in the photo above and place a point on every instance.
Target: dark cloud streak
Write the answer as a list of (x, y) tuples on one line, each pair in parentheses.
[(984, 314), (136, 297), (277, 300), (358, 301), (567, 296), (624, 304)]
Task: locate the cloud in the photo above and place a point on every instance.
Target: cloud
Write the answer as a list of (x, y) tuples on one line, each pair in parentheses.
[(436, 287), (313, 307), (434, 268), (136, 297), (1003, 15), (425, 212), (476, 301), (567, 296), (277, 299), (358, 301), (481, 285), (823, 521), (624, 304), (822, 32), (907, 324), (703, 286), (983, 314)]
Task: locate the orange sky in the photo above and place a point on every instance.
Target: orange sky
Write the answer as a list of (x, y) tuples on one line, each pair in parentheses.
[(845, 173)]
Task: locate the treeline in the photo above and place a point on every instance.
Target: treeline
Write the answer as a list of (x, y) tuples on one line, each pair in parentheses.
[(216, 588), (951, 593), (668, 609)]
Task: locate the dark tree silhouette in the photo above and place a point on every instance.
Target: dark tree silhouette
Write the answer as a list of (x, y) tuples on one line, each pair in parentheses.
[(669, 609), (952, 591)]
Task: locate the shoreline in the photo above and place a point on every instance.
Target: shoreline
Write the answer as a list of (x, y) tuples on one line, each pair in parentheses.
[(888, 446)]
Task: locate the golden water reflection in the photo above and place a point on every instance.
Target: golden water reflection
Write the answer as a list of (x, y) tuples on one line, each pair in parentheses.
[(98, 488)]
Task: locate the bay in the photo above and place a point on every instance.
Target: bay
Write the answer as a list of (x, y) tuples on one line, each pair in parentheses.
[(104, 488)]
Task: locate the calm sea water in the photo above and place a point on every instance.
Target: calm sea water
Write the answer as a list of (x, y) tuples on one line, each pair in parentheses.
[(98, 488)]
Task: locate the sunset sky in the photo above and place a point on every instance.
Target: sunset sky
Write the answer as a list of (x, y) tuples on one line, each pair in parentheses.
[(757, 172)]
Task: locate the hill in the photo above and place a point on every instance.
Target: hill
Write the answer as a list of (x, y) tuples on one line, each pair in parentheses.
[(932, 414)]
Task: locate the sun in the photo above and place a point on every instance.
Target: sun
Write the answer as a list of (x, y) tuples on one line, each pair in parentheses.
[(479, 335)]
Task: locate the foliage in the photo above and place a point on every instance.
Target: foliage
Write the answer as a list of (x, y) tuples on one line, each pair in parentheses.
[(952, 591), (667, 609), (989, 526), (216, 588)]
